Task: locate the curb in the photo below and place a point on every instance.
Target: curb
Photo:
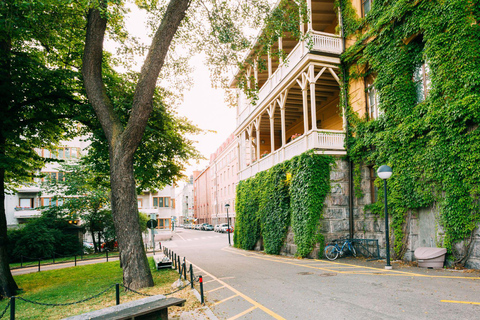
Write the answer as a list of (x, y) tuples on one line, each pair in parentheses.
[(205, 309)]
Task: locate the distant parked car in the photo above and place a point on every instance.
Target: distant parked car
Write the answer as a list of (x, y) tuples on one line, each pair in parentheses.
[(208, 227), (223, 227), (216, 228), (203, 225), (197, 227)]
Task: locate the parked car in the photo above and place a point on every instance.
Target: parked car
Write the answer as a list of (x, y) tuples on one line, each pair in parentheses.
[(216, 228), (203, 225), (197, 227), (223, 227), (208, 227)]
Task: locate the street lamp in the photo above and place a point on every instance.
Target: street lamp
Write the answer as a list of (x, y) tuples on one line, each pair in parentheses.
[(385, 172), (228, 224)]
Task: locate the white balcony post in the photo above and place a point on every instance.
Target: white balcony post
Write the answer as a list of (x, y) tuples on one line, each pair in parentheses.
[(257, 131), (250, 142), (302, 25), (313, 102), (255, 71), (248, 74), (269, 64), (280, 48), (281, 103), (310, 19), (304, 86), (271, 114)]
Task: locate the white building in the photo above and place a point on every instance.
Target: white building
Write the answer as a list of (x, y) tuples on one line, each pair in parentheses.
[(184, 210), (29, 199)]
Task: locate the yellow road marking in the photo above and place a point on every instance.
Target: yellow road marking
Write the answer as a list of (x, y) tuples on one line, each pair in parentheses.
[(205, 282), (384, 272), (464, 302), (215, 289), (243, 313), (255, 303), (216, 303)]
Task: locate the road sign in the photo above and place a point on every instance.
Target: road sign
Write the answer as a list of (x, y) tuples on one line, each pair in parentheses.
[(151, 224)]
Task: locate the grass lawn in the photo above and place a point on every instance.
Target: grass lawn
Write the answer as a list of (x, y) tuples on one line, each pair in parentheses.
[(77, 283)]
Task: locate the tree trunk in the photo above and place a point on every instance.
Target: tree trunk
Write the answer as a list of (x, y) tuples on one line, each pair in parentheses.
[(136, 270), (123, 140), (8, 286)]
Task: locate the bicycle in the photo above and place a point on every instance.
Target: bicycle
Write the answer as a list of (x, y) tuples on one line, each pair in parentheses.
[(332, 251)]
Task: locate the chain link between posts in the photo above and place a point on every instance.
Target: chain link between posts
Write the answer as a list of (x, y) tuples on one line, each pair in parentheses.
[(65, 304), (4, 311)]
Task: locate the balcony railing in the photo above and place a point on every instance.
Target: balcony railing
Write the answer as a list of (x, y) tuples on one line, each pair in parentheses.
[(319, 42), (330, 141)]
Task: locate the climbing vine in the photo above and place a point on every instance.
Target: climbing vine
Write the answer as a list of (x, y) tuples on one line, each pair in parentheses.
[(289, 194), (432, 144)]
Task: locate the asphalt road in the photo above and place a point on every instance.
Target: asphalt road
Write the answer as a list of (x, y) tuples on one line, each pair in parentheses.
[(250, 285)]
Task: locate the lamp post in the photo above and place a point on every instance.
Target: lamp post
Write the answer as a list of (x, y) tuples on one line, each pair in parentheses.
[(228, 224), (385, 172)]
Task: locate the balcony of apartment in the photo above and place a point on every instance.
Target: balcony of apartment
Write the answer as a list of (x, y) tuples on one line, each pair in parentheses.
[(298, 99), (320, 44)]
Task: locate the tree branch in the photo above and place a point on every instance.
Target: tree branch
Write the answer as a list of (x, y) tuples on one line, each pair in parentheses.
[(142, 101), (92, 74)]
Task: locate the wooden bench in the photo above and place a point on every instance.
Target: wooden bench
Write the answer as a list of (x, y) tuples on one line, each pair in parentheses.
[(162, 261), (151, 308)]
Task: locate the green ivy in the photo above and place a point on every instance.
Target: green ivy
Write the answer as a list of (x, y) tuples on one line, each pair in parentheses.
[(274, 209), (433, 146), (289, 194), (309, 187)]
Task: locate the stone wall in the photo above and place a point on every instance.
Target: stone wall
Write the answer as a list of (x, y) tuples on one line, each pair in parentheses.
[(423, 227)]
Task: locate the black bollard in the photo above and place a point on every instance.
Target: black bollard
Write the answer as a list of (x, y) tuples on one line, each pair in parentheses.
[(12, 308), (200, 279), (191, 276), (117, 293)]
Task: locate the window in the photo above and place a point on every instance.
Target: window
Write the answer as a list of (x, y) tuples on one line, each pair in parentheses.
[(58, 176), (162, 202), (139, 202), (422, 81), (62, 153), (26, 203), (372, 102), (366, 6)]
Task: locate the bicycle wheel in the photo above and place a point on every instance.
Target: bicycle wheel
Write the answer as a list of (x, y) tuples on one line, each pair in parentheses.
[(331, 252), (352, 250)]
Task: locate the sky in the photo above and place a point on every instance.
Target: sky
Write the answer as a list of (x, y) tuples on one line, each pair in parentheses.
[(203, 105)]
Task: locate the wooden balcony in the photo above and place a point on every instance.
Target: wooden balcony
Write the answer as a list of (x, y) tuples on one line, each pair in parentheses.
[(325, 141), (320, 42)]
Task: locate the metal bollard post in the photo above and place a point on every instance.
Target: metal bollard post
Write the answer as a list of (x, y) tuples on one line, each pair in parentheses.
[(185, 270), (53, 258), (107, 255), (160, 245), (38, 265), (21, 261), (191, 276), (75, 260), (200, 279), (117, 293), (12, 308), (179, 266)]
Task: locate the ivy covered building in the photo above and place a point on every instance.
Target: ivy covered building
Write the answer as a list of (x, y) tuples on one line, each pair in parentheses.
[(330, 91)]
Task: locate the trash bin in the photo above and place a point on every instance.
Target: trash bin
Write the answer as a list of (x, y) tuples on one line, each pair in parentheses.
[(430, 257)]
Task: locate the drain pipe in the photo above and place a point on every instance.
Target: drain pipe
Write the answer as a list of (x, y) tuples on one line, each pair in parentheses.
[(351, 228)]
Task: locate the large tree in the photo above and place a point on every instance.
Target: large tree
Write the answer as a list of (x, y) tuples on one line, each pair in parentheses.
[(37, 94), (123, 140), (212, 25)]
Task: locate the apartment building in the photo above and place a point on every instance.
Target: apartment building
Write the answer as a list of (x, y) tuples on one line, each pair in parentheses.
[(202, 196), (184, 203), (27, 202), (224, 179), (159, 205)]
